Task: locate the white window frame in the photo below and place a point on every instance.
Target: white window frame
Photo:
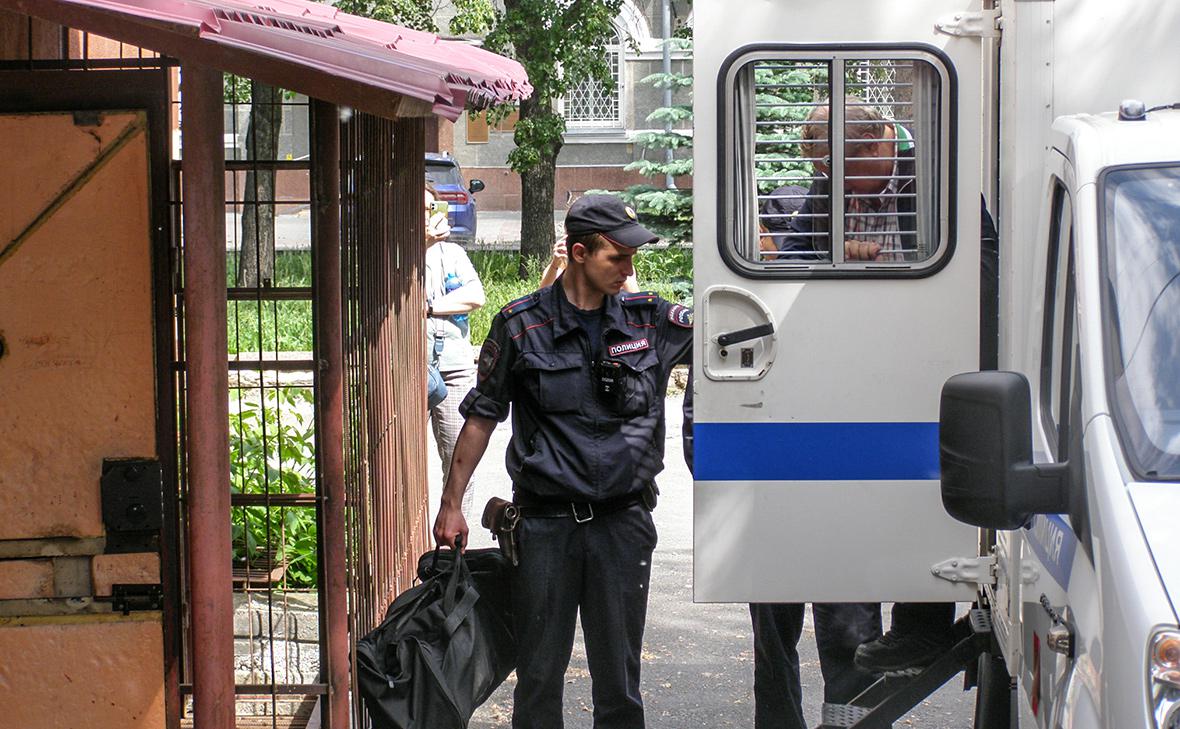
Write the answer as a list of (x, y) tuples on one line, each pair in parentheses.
[(618, 48), (738, 221)]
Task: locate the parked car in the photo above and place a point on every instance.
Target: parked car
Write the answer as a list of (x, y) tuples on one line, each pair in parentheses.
[(444, 173)]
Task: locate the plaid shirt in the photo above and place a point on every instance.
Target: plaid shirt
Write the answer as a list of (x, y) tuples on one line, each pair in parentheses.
[(874, 219)]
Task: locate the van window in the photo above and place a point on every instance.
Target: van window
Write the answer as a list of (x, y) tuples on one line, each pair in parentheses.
[(1057, 322), (1141, 285), (883, 145)]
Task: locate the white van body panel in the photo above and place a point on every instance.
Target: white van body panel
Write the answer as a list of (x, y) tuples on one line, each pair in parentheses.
[(849, 356)]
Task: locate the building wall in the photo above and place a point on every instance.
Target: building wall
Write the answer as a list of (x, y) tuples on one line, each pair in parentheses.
[(591, 158)]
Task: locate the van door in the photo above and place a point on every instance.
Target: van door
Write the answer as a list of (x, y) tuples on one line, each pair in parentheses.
[(818, 366)]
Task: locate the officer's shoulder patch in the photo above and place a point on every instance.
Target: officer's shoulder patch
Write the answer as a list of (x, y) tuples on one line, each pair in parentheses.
[(681, 316), (641, 298), (527, 301), (489, 355)]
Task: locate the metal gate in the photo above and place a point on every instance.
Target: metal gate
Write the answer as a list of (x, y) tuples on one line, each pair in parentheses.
[(385, 394)]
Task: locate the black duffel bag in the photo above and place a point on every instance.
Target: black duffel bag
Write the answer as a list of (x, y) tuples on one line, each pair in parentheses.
[(445, 645)]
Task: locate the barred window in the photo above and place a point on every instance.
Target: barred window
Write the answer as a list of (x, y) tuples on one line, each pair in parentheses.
[(590, 103), (889, 131)]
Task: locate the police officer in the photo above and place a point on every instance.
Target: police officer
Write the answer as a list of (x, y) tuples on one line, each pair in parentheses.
[(584, 368)]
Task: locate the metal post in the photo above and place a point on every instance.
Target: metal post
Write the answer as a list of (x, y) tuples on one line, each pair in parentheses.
[(207, 388), (325, 171), (669, 156)]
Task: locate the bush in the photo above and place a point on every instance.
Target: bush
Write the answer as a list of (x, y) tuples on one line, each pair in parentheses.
[(667, 271), (272, 450)]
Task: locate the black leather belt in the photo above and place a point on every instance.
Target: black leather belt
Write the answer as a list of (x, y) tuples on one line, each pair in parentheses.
[(535, 507)]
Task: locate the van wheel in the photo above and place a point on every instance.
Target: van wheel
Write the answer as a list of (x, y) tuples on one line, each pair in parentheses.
[(995, 697)]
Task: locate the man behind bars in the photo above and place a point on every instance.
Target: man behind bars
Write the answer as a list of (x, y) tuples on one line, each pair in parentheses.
[(880, 219)]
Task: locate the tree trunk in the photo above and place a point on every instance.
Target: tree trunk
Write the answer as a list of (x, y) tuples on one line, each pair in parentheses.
[(537, 234), (256, 257)]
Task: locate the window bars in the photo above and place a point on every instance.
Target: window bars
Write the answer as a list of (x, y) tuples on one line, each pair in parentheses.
[(890, 160), (590, 103)]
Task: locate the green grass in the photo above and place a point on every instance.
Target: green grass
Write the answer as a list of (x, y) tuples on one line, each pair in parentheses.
[(286, 326), (292, 268), (667, 271)]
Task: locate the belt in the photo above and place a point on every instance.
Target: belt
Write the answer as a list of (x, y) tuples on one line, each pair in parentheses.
[(535, 507)]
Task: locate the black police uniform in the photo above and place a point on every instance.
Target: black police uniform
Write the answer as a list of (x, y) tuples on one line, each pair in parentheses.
[(587, 443)]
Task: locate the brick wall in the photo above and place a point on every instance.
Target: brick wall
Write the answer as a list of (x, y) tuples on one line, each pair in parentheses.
[(503, 185)]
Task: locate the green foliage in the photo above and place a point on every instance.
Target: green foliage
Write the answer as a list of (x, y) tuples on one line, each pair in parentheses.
[(661, 80), (777, 164), (560, 44), (667, 212), (284, 326), (272, 450), (416, 14), (472, 17), (667, 271)]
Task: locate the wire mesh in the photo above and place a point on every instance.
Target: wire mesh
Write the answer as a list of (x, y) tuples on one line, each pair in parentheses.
[(382, 257)]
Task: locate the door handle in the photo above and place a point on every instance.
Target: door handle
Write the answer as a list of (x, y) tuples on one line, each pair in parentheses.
[(745, 335)]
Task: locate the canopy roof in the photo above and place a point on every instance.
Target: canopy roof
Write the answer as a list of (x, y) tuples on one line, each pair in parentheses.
[(307, 47)]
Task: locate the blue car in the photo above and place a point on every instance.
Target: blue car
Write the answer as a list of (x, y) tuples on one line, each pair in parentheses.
[(443, 172)]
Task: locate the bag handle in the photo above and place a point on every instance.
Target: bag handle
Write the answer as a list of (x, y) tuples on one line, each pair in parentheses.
[(458, 569)]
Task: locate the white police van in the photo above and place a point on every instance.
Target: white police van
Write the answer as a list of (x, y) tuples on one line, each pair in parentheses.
[(835, 427)]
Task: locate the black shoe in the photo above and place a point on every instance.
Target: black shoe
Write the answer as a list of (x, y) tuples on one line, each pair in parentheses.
[(897, 652)]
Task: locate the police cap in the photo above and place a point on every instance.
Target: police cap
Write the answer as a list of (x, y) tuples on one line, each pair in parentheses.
[(609, 216)]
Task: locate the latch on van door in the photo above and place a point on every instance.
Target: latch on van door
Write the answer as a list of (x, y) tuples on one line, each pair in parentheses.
[(739, 333)]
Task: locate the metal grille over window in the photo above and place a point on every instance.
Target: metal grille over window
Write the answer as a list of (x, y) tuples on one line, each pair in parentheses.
[(590, 103), (782, 172)]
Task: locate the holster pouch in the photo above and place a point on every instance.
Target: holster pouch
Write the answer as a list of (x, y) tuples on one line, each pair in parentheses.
[(502, 517), (651, 496)]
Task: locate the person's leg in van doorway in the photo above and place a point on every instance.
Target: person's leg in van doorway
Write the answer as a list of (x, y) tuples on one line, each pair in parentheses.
[(446, 422), (778, 695), (920, 633), (839, 629)]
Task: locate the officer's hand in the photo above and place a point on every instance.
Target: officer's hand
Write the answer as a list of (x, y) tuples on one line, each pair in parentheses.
[(448, 524), (859, 250), (560, 253)]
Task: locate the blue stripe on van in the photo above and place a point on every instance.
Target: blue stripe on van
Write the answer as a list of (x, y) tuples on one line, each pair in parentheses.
[(815, 451)]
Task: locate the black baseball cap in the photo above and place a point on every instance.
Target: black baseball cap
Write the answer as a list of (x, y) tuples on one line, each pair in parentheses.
[(609, 216)]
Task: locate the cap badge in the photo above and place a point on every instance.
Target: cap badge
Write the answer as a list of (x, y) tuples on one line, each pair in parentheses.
[(630, 212)]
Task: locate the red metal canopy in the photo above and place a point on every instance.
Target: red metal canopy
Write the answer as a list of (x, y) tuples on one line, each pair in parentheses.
[(306, 47)]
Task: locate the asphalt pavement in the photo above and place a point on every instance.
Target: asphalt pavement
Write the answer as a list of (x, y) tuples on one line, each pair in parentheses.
[(698, 658)]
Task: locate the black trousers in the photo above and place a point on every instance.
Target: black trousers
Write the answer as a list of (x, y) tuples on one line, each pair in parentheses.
[(933, 619), (839, 629), (600, 568)]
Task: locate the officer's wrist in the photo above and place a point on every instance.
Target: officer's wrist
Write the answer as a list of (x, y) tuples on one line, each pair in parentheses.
[(430, 310)]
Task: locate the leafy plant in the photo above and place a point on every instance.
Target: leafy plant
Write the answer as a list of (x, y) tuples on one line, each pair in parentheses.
[(272, 451), (667, 211), (667, 271)]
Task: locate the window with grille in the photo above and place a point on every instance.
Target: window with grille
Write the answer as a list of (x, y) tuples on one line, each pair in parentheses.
[(590, 103), (786, 147)]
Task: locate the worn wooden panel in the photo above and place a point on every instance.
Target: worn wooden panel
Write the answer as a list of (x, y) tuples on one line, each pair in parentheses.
[(103, 672), (77, 371)]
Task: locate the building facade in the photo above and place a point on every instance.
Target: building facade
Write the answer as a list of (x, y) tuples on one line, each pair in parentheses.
[(601, 124)]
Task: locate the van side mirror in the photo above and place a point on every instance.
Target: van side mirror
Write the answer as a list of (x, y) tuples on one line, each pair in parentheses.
[(985, 448), (475, 186)]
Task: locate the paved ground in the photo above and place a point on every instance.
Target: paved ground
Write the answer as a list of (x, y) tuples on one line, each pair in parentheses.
[(698, 668)]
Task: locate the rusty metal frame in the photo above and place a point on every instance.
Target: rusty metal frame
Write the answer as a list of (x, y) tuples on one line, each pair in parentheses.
[(383, 256), (99, 90)]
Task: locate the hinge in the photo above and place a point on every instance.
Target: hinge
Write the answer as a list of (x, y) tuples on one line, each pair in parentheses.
[(977, 570), (125, 598), (976, 24)]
